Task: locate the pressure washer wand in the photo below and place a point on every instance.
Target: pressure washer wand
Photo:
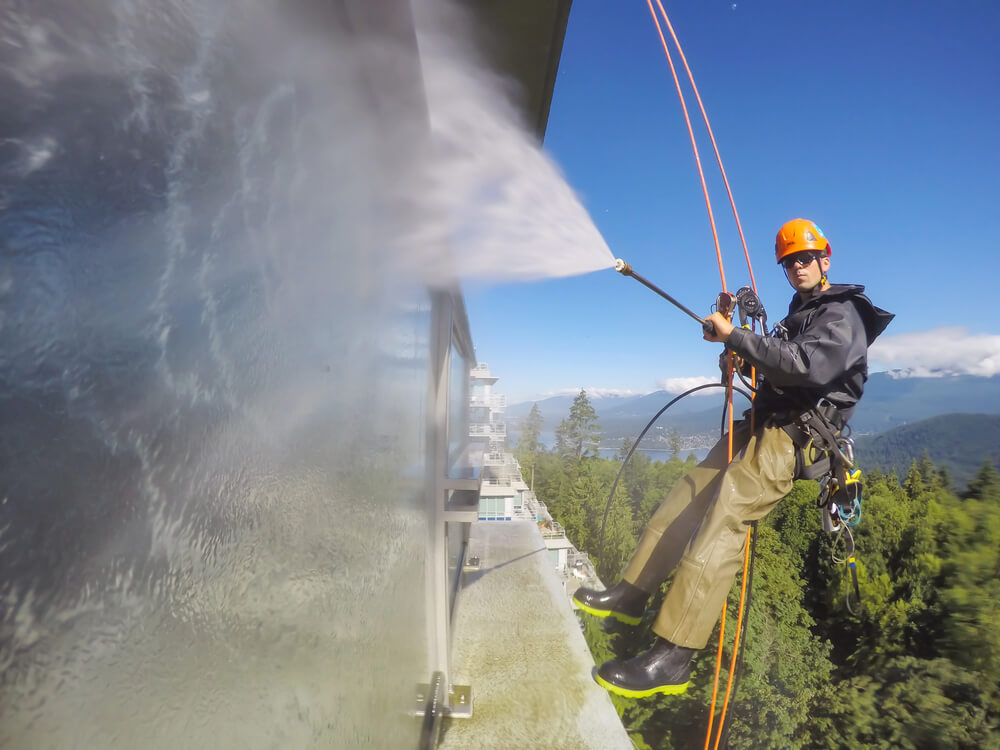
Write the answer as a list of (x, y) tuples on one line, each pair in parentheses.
[(626, 270)]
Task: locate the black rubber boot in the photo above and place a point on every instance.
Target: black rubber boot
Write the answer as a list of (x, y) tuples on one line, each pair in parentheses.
[(665, 668), (623, 601)]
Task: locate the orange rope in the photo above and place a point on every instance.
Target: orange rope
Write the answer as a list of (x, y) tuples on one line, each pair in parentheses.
[(722, 274), (722, 620), (694, 145), (729, 390), (718, 669), (736, 644), (715, 146)]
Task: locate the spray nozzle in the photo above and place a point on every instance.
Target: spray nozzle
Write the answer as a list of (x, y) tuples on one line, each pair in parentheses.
[(622, 267)]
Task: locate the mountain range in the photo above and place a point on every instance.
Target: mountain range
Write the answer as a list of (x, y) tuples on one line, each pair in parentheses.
[(890, 401), (958, 442)]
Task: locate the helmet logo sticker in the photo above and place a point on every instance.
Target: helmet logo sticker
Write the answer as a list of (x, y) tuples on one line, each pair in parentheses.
[(810, 237), (819, 231)]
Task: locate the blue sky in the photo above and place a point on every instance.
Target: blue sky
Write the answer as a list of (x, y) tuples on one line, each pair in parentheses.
[(879, 120)]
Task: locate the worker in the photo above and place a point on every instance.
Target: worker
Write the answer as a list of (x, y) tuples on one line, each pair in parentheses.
[(811, 373)]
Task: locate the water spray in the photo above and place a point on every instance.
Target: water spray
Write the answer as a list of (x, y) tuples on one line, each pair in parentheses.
[(626, 270)]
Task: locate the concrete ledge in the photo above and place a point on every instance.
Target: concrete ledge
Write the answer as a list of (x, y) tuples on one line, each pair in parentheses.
[(518, 644)]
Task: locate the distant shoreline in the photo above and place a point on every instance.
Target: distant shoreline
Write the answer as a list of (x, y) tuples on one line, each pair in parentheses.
[(658, 454)]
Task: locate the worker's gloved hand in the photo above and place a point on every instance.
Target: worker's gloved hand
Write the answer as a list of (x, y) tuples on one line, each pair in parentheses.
[(724, 365), (719, 329)]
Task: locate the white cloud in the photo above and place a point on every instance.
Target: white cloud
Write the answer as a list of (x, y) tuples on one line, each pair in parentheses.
[(679, 385), (952, 350)]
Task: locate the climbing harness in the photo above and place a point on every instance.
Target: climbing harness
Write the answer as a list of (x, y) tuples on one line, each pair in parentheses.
[(820, 448), (824, 453)]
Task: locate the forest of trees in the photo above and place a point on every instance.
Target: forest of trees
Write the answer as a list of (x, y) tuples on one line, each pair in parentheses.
[(958, 442), (917, 667)]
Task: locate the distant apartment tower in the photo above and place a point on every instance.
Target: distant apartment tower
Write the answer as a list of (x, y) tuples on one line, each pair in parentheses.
[(504, 495), (502, 486)]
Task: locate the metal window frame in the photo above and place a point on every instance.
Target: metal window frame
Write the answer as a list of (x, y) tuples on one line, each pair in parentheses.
[(452, 496)]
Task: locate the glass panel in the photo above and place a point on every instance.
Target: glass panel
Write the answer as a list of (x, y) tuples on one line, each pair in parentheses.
[(456, 549), (458, 406), (214, 357)]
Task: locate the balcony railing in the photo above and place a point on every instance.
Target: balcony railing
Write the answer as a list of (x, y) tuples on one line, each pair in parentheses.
[(497, 401), (507, 473), (501, 458), (552, 530), (489, 429)]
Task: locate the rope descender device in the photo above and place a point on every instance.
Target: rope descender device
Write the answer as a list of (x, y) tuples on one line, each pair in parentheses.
[(750, 308)]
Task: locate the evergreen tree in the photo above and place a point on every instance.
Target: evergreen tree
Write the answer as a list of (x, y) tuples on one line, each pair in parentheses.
[(917, 667), (986, 485), (578, 436), (786, 668), (659, 479), (909, 703), (528, 445), (675, 444), (914, 482), (531, 428), (619, 535), (946, 478), (635, 476), (969, 586)]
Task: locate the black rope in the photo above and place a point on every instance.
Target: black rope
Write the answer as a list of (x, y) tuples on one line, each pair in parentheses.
[(725, 415), (635, 446), (738, 672)]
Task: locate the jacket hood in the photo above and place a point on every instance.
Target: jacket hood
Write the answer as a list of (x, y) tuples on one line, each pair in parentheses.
[(875, 318)]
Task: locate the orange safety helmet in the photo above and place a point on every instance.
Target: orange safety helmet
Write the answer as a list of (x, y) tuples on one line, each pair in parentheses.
[(798, 235)]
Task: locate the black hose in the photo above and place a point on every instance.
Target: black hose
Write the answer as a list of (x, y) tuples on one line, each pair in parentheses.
[(724, 422), (738, 672), (745, 382), (635, 445)]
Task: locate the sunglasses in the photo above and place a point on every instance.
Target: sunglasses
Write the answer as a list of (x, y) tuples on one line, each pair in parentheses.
[(798, 259)]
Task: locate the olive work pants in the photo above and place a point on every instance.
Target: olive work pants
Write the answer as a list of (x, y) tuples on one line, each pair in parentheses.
[(700, 529)]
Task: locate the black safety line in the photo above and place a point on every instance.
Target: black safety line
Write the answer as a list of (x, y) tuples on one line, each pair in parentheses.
[(635, 446)]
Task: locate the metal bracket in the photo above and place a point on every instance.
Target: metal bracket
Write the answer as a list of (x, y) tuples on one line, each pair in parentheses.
[(460, 702), (458, 705)]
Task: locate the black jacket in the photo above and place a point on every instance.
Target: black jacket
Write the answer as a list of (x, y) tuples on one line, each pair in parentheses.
[(819, 351)]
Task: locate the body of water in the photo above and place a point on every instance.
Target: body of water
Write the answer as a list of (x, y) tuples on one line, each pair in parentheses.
[(660, 454)]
